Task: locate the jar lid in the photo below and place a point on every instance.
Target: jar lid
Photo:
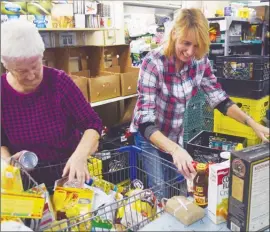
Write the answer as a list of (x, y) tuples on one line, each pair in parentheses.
[(225, 155), (201, 167)]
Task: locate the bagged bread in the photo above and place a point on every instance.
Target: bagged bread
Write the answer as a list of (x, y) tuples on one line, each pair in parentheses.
[(184, 210)]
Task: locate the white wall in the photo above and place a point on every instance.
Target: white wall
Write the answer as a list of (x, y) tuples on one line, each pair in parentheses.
[(209, 7)]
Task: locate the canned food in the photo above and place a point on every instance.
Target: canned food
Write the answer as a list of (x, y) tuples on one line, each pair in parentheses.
[(28, 159)]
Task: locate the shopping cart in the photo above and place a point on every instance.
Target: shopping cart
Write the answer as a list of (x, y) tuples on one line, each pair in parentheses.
[(127, 163), (12, 205)]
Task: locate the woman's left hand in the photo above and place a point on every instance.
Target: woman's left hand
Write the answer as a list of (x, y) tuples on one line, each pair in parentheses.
[(76, 168), (261, 131)]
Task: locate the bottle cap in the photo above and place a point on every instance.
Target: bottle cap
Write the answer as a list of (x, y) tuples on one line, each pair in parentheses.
[(201, 167), (225, 155), (239, 147)]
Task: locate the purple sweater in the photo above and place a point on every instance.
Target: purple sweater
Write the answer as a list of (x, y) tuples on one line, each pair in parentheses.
[(49, 121)]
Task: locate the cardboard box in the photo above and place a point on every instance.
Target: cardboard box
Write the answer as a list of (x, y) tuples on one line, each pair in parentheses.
[(128, 79), (104, 87), (249, 189), (218, 192), (82, 83), (127, 117), (184, 210), (62, 16)]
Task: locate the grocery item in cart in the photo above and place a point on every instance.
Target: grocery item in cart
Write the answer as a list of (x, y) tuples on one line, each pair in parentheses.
[(48, 213), (249, 189), (218, 191), (200, 183), (184, 210), (13, 224), (72, 202), (28, 159), (10, 178), (141, 206)]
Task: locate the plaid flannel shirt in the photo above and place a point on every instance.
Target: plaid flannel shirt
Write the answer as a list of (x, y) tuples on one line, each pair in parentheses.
[(164, 94)]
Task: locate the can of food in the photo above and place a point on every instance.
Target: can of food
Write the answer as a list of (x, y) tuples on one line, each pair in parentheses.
[(28, 159)]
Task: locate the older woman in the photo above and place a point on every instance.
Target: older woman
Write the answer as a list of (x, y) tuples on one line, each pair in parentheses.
[(169, 77), (42, 110)]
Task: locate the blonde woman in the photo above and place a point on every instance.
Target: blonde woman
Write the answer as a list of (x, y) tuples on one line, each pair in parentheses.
[(169, 77)]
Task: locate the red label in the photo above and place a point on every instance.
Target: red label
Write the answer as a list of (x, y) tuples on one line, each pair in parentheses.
[(221, 174)]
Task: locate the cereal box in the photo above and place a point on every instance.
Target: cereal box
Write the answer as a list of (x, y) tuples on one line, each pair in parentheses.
[(218, 188)]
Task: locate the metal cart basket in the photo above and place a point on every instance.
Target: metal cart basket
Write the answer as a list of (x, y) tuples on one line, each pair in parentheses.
[(120, 165)]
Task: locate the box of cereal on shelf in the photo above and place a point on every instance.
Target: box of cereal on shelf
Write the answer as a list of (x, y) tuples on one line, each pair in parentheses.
[(218, 191), (249, 189)]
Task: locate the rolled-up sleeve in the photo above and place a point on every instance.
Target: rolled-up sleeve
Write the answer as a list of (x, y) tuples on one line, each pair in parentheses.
[(214, 92), (82, 115), (147, 87)]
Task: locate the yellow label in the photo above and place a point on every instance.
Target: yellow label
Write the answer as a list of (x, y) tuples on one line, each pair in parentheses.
[(200, 200), (237, 188), (21, 206), (94, 166), (199, 189)]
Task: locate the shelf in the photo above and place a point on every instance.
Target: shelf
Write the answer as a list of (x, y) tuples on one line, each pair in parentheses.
[(76, 29), (112, 100), (217, 44), (153, 5), (234, 44)]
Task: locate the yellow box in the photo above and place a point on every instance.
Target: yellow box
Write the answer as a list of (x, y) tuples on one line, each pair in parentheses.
[(23, 205), (73, 202), (94, 167), (11, 178)]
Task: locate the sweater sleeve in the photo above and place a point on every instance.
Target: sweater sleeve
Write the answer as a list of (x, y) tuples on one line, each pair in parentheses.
[(78, 109), (4, 138)]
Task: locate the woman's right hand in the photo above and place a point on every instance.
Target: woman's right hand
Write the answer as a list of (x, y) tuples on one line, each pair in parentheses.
[(183, 162), (16, 157)]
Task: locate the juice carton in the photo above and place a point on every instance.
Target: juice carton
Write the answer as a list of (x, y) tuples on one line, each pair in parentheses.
[(218, 188)]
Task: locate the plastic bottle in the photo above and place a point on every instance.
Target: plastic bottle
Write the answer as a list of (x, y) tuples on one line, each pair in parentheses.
[(239, 147), (201, 186)]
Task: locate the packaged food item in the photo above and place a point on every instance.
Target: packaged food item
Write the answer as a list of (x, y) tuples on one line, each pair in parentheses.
[(28, 205), (13, 225), (10, 178), (218, 191), (184, 210), (72, 202), (249, 189), (141, 205), (48, 213), (201, 186), (58, 226), (94, 167), (104, 185)]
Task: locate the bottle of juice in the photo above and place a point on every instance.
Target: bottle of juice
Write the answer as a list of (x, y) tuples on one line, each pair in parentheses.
[(200, 182)]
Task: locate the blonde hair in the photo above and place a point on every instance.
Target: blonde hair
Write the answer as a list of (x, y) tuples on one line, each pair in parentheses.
[(189, 20)]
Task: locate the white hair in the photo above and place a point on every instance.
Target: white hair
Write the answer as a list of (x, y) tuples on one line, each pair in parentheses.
[(20, 39)]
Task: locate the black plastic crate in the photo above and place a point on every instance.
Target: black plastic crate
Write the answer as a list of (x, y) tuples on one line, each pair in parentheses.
[(239, 67), (245, 88), (199, 146)]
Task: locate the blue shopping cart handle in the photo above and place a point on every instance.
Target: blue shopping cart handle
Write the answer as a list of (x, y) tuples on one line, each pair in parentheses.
[(129, 149)]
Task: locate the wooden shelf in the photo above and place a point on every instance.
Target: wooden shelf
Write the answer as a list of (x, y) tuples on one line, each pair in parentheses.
[(76, 29), (100, 103)]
